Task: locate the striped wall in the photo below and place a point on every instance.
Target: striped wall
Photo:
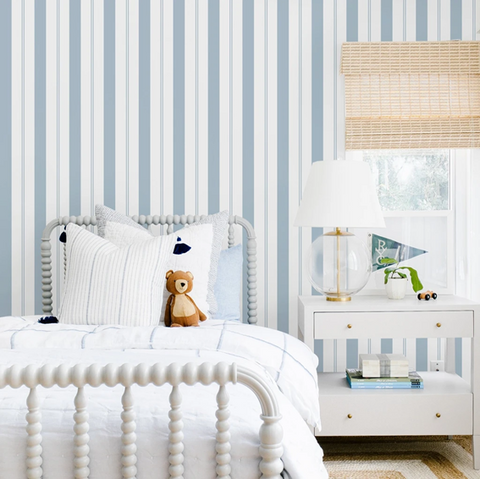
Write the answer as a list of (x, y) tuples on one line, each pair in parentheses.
[(183, 106)]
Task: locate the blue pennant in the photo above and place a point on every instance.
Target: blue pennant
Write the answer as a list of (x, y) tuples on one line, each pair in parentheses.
[(387, 248)]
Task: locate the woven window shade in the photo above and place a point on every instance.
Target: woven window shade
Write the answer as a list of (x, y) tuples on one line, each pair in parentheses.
[(412, 95)]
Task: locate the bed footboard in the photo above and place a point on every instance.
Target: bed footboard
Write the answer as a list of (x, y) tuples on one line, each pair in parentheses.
[(174, 374)]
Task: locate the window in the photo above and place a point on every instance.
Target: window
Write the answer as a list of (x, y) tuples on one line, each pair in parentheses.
[(411, 180), (415, 192)]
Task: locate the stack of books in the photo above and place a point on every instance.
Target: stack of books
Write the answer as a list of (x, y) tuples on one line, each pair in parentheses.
[(357, 381), (383, 371)]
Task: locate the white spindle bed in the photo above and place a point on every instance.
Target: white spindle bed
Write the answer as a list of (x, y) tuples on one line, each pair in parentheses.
[(160, 374)]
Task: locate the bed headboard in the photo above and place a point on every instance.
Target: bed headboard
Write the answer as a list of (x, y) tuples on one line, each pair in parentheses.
[(163, 220)]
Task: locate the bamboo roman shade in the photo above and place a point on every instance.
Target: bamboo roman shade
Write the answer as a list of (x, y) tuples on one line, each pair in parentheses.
[(412, 95)]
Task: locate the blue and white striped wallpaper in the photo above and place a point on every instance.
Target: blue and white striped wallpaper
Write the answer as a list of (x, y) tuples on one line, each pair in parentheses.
[(161, 106)]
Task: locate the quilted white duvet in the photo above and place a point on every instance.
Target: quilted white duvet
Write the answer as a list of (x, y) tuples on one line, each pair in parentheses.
[(286, 362)]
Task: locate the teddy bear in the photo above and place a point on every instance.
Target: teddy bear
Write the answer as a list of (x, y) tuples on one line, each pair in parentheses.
[(181, 309)]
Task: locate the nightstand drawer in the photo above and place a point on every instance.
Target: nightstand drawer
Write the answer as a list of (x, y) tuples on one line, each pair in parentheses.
[(395, 414), (385, 412), (412, 324)]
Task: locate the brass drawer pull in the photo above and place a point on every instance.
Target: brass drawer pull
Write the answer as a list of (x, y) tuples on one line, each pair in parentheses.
[(349, 326), (439, 325), (349, 416), (438, 414)]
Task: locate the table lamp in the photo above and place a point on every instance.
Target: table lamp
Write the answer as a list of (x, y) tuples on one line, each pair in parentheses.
[(339, 194)]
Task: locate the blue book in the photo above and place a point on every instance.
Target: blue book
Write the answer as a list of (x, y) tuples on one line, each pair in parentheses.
[(385, 385)]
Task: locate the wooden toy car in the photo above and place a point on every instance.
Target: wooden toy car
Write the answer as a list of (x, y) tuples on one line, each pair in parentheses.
[(426, 295)]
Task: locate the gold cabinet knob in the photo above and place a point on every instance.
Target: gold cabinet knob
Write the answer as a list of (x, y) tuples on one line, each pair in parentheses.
[(438, 414), (439, 325), (349, 326), (349, 416)]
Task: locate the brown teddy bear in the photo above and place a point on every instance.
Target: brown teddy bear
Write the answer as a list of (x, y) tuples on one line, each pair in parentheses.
[(181, 310)]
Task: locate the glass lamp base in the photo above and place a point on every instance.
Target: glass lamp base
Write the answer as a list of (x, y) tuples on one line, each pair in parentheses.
[(339, 265)]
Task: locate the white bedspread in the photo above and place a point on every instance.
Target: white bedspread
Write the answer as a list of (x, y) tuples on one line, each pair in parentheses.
[(283, 359)]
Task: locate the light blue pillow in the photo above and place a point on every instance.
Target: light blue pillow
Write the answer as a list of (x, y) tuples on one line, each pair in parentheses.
[(227, 287)]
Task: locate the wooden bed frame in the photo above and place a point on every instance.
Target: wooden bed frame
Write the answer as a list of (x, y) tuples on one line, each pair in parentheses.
[(34, 376)]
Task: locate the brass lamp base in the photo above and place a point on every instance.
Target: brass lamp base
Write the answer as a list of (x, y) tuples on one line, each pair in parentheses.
[(339, 298)]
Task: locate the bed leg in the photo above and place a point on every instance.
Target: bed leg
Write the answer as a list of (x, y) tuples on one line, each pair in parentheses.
[(175, 448), (34, 440), (81, 427), (271, 448), (223, 446), (129, 448)]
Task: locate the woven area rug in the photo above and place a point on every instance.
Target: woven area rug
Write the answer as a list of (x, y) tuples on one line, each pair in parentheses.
[(421, 457)]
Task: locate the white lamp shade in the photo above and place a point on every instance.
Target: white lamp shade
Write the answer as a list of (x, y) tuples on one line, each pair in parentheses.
[(340, 194)]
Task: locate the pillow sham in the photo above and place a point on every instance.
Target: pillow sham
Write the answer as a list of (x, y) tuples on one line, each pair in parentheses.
[(228, 285), (122, 231), (105, 284), (107, 219)]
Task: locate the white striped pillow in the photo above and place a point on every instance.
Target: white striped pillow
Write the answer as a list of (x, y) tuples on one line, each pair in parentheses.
[(201, 260), (105, 284)]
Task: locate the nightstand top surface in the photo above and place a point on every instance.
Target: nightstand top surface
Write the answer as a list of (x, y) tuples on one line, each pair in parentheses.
[(382, 303)]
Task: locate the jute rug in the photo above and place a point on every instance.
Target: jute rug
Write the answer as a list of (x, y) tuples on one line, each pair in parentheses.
[(421, 457)]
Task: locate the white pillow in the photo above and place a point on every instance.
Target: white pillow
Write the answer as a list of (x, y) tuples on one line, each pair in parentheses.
[(105, 284), (122, 231)]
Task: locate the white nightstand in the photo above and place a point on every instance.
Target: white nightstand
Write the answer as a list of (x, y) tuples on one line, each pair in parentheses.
[(447, 405)]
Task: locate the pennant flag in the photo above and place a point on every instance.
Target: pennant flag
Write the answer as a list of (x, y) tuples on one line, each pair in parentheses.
[(387, 248)]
